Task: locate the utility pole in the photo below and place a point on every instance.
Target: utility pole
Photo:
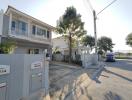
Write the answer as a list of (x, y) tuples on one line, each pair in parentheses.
[(95, 18), (95, 30)]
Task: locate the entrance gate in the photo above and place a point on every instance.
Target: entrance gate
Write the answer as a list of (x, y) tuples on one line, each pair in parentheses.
[(23, 77)]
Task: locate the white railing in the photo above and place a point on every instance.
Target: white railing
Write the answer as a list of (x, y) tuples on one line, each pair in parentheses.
[(17, 33)]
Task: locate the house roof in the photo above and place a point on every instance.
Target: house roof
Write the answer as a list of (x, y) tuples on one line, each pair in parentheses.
[(10, 8)]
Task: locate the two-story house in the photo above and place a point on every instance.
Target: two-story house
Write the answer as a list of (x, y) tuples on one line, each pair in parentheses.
[(31, 35)]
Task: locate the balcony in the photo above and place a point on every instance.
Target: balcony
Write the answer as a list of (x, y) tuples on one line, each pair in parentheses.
[(24, 35)]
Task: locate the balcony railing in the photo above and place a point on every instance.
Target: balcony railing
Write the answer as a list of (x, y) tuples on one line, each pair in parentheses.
[(18, 33)]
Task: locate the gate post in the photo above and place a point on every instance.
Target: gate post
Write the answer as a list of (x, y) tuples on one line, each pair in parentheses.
[(46, 60)]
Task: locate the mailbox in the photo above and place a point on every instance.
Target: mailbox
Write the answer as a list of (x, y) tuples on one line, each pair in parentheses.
[(36, 82)]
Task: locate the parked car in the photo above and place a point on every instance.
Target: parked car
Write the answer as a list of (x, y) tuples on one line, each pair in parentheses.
[(110, 57)]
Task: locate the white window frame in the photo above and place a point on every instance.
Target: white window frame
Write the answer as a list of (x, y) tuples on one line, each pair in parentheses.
[(37, 26), (17, 29), (25, 21)]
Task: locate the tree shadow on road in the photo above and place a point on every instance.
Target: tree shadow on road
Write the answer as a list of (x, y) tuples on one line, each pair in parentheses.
[(121, 76), (112, 96)]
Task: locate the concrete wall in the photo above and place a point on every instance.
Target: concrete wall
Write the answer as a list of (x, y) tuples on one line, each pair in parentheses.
[(1, 21), (89, 59), (58, 57), (5, 25), (24, 50), (20, 79), (20, 50)]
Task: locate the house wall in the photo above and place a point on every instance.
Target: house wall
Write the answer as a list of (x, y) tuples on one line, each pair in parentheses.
[(1, 21), (20, 50), (5, 25), (24, 50), (59, 42), (28, 33), (33, 41)]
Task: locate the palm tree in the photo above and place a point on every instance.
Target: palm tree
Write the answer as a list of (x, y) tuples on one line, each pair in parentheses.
[(70, 25)]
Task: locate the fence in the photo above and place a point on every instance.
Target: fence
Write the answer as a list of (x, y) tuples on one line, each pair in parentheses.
[(23, 77), (89, 59)]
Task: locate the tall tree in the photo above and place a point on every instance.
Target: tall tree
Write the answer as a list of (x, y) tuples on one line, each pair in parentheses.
[(105, 44), (129, 39), (88, 41), (70, 25)]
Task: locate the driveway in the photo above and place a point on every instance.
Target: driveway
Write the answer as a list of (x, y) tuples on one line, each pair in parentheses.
[(66, 82), (114, 83)]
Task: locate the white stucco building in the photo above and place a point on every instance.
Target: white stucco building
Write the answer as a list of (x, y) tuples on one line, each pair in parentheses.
[(31, 35)]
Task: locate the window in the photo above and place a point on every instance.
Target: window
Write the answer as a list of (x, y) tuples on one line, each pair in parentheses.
[(22, 26), (33, 51), (13, 25), (48, 33), (44, 33), (36, 51), (41, 32), (33, 29)]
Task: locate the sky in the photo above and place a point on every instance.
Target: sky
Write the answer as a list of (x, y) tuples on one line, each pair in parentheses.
[(114, 22)]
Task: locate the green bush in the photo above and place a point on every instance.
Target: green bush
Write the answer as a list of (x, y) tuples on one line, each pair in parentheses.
[(7, 46), (57, 52)]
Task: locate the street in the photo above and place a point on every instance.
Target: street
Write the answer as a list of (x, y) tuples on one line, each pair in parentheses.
[(113, 83)]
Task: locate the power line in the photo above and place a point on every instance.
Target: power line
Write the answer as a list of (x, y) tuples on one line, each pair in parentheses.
[(95, 17), (86, 5), (106, 7), (91, 7)]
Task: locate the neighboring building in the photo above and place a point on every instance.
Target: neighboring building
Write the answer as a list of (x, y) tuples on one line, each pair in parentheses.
[(31, 35), (60, 43)]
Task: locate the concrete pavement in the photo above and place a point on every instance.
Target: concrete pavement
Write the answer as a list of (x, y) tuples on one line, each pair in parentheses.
[(70, 82), (114, 83)]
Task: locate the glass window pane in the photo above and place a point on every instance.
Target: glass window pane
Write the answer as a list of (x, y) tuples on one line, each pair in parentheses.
[(44, 33), (23, 26), (36, 51), (33, 30), (48, 34), (38, 31), (13, 25)]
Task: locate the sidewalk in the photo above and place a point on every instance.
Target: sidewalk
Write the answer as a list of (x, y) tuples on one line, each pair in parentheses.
[(69, 82)]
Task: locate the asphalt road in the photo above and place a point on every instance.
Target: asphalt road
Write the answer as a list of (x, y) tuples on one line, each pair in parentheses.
[(114, 83)]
